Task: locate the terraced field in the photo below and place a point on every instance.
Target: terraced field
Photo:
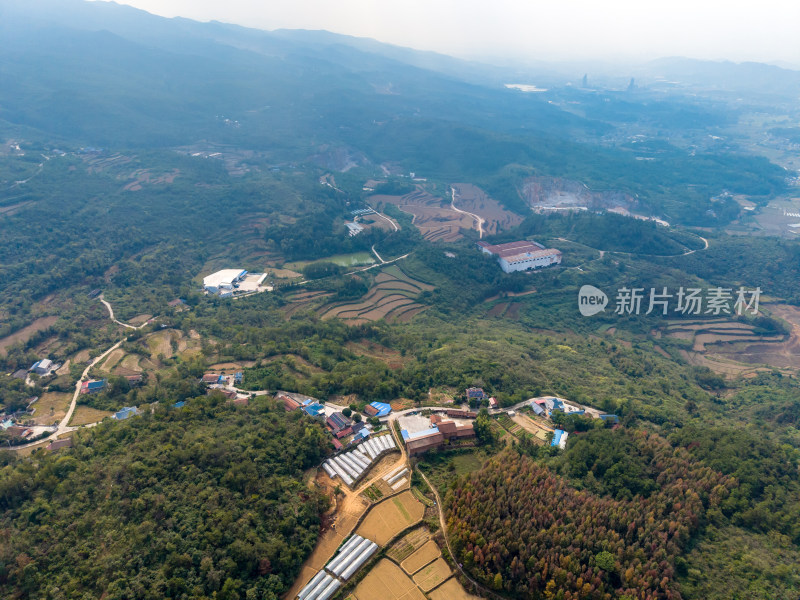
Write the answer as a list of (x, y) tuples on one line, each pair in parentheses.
[(733, 348), (434, 218), (513, 428), (392, 297), (302, 301)]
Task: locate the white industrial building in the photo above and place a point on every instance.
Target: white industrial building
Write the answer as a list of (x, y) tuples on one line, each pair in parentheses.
[(228, 282), (223, 283), (522, 255)]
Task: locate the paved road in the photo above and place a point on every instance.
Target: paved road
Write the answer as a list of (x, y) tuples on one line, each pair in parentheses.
[(480, 220), (63, 426), (385, 218), (378, 256)]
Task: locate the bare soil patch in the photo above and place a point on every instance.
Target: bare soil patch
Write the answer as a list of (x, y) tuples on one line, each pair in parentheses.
[(497, 310), (531, 426), (139, 319), (232, 366), (392, 358), (473, 199), (24, 334), (434, 218)]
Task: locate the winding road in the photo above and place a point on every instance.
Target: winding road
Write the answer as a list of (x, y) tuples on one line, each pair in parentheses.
[(478, 219), (111, 315), (443, 524), (63, 425)]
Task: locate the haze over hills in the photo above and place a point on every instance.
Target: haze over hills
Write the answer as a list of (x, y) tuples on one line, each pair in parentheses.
[(114, 76)]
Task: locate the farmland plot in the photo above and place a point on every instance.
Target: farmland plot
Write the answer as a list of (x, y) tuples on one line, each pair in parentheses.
[(390, 517), (392, 297), (387, 582)]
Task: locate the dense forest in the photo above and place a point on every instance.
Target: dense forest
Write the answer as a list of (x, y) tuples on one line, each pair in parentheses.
[(203, 501), (535, 535)]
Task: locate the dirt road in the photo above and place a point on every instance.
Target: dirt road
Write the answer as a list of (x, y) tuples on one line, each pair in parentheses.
[(478, 219)]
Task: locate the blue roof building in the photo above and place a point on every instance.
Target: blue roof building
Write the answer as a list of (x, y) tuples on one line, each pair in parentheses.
[(612, 418), (180, 404), (411, 436), (314, 410), (378, 409), (125, 413), (559, 438), (537, 410), (361, 435), (475, 393)]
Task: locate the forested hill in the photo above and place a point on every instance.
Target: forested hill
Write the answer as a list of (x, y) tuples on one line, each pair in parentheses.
[(201, 501), (103, 75)]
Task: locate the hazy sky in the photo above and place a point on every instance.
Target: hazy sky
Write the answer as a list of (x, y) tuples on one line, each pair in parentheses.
[(762, 30)]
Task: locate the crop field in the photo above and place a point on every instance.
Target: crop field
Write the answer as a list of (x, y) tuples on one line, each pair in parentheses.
[(428, 553), (451, 590), (51, 407), (473, 199), (432, 575), (434, 218), (531, 426), (387, 582), (408, 544), (512, 427), (507, 310), (392, 297), (84, 415), (303, 301), (390, 517)]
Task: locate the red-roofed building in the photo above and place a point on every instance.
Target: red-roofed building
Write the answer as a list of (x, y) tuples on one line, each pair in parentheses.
[(370, 410), (521, 255), (344, 433), (461, 414), (289, 403), (337, 444)]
